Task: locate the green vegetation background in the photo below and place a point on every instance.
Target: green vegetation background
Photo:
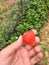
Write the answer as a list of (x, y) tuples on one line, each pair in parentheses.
[(34, 14)]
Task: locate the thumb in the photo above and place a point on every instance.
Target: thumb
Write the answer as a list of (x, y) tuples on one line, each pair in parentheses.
[(11, 48)]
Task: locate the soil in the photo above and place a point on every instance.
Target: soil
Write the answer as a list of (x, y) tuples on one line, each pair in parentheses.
[(8, 2), (11, 3), (44, 34)]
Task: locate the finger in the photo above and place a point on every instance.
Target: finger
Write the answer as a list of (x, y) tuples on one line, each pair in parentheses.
[(38, 48), (34, 51), (36, 58), (37, 40), (28, 47), (35, 32), (12, 48), (31, 53)]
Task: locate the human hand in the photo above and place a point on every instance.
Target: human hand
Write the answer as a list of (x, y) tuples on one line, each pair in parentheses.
[(19, 54)]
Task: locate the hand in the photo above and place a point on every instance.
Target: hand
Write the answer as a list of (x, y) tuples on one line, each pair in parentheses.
[(19, 54)]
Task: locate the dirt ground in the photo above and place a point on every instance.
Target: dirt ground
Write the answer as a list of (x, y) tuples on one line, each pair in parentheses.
[(8, 2), (11, 3), (44, 34)]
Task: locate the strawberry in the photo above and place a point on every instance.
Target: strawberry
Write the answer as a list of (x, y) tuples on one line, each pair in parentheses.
[(29, 38)]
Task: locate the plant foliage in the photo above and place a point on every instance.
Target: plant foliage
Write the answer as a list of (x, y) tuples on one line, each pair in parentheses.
[(33, 18)]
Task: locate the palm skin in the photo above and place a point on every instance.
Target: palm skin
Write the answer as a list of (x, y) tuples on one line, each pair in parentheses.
[(19, 54)]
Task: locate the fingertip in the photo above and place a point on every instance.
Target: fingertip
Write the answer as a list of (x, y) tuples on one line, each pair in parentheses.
[(37, 40), (20, 39), (40, 55), (35, 31), (38, 48)]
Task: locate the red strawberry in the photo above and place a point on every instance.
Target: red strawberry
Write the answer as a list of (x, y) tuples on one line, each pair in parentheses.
[(29, 37)]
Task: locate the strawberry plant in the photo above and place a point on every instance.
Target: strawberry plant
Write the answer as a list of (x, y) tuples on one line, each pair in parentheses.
[(34, 16), (7, 25), (47, 3)]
